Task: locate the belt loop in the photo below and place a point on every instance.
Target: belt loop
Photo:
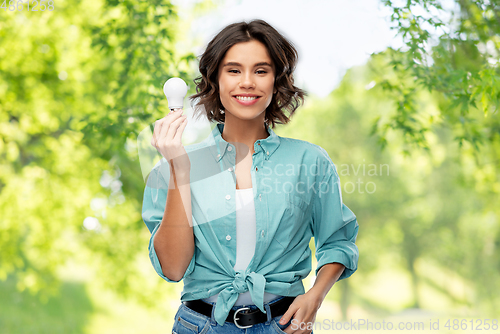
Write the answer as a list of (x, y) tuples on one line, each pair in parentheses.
[(268, 313), (212, 317)]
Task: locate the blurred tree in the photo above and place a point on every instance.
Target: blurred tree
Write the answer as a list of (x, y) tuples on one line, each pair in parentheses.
[(454, 54), (457, 58), (77, 85)]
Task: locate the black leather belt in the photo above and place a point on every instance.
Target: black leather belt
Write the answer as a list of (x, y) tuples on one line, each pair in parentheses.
[(243, 317)]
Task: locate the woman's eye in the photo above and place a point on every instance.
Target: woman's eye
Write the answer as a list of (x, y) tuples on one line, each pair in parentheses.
[(259, 72)]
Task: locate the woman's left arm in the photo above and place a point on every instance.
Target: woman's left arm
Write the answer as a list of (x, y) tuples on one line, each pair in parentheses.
[(335, 229), (304, 307)]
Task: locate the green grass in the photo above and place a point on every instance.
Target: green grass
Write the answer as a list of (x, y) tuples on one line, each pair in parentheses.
[(66, 313)]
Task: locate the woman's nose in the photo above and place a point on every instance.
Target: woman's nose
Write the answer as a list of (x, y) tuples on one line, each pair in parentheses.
[(246, 81)]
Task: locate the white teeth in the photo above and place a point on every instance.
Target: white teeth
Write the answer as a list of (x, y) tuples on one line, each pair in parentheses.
[(246, 98)]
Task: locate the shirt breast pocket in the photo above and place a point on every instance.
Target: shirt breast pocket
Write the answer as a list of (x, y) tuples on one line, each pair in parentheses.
[(297, 201), (297, 208), (293, 220)]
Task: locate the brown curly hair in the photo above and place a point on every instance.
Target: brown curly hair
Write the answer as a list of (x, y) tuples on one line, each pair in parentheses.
[(283, 54)]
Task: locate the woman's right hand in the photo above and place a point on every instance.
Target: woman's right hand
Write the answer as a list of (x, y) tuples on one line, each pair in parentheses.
[(167, 140)]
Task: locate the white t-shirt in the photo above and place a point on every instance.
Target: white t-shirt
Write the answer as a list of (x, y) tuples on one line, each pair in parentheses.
[(246, 230)]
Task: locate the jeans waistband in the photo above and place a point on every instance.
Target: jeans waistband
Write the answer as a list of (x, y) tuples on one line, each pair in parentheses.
[(251, 306)]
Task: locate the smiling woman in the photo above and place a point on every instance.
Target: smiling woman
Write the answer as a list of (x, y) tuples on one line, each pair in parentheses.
[(245, 252)]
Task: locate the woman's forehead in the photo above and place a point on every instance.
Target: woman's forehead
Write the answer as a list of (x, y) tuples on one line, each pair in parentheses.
[(247, 53)]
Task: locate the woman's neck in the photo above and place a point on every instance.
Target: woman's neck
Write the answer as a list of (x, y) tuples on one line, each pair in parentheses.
[(243, 131)]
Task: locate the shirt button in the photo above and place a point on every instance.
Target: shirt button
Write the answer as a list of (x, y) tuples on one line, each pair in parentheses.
[(218, 156), (260, 197), (228, 196), (229, 148), (230, 169), (258, 144), (257, 169), (262, 233), (267, 152), (228, 237)]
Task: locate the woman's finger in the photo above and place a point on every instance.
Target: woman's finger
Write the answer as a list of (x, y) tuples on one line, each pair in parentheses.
[(158, 126), (174, 128), (154, 139), (162, 134), (180, 130)]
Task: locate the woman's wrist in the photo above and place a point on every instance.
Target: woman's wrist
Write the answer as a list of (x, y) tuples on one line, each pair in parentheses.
[(317, 294), (180, 176), (327, 276)]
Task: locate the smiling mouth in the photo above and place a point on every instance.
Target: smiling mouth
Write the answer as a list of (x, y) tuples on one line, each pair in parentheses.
[(246, 98)]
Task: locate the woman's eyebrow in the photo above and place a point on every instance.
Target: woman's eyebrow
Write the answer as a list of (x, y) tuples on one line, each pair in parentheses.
[(233, 63)]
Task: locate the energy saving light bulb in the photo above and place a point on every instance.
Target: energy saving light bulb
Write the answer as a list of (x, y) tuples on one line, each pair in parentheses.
[(175, 90)]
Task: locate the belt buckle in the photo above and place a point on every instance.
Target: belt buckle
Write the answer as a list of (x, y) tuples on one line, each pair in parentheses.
[(235, 322)]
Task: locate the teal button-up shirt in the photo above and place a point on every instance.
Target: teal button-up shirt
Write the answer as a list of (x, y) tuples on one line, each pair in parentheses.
[(297, 196)]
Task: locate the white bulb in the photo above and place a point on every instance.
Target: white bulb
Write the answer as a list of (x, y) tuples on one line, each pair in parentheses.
[(175, 90)]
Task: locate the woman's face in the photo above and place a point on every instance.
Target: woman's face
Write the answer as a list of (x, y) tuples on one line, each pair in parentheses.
[(246, 80)]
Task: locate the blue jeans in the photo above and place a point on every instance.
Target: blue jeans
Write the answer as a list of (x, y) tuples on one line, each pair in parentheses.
[(188, 321)]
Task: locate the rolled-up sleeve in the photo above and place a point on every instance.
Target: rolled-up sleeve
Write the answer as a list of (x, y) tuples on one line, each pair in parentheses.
[(335, 226), (153, 207)]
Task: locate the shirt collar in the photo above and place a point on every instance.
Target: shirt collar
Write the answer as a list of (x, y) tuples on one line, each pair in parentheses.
[(267, 145)]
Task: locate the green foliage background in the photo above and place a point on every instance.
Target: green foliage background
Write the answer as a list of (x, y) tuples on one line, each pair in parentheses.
[(414, 133)]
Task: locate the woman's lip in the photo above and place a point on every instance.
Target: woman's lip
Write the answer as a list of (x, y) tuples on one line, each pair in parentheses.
[(246, 103)]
